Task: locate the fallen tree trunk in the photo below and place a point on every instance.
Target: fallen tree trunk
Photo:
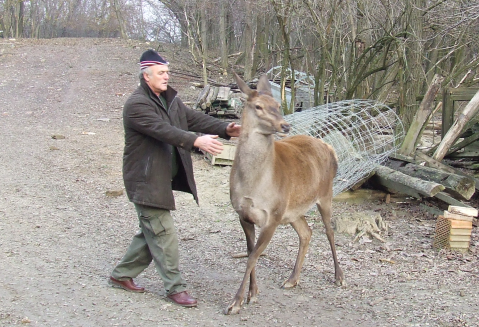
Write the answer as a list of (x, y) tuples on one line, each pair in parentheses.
[(397, 182), (459, 186), (451, 136)]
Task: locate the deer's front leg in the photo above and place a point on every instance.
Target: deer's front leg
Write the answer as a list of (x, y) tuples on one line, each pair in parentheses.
[(263, 240), (249, 231)]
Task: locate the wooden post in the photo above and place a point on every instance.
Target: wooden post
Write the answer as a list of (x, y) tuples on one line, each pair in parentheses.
[(423, 113), (447, 112)]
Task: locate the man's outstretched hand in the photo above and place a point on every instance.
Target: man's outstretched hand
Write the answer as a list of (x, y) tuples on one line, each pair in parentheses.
[(209, 144), (233, 130)]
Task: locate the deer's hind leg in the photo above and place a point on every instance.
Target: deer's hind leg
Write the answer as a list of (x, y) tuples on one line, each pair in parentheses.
[(304, 232), (324, 208)]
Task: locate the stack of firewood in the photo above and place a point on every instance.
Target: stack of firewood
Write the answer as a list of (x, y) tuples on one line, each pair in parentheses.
[(453, 229), (218, 101)]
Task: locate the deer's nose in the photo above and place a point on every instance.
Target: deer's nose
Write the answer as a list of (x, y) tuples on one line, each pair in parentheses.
[(285, 127)]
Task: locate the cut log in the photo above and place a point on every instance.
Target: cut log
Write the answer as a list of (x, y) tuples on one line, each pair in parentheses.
[(397, 182), (205, 104), (211, 96), (451, 136), (459, 186), (223, 93), (430, 162), (420, 119), (202, 97)]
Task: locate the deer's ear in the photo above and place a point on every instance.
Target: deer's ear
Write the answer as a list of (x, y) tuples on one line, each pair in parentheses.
[(242, 85), (264, 86)]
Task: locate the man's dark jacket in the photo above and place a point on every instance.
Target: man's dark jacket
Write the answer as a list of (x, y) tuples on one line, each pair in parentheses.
[(152, 133)]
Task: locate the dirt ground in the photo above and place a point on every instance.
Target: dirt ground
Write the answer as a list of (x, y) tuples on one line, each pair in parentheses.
[(63, 227)]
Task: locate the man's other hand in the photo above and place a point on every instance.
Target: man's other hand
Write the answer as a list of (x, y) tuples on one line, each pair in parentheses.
[(209, 144), (233, 130)]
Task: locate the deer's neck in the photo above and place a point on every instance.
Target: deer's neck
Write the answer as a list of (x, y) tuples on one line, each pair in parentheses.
[(255, 149)]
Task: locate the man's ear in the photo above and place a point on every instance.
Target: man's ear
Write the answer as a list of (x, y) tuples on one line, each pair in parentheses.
[(146, 77)]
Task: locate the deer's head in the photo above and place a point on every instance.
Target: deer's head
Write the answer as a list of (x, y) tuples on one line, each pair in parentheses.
[(263, 106)]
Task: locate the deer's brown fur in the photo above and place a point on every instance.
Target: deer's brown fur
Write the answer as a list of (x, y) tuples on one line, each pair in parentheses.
[(277, 182)]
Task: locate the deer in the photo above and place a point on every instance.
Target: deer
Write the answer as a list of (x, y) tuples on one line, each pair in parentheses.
[(275, 182)]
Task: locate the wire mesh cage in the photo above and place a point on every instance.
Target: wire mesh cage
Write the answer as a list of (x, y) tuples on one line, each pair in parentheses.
[(362, 132)]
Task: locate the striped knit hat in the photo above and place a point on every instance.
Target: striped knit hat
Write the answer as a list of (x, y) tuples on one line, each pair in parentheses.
[(151, 57)]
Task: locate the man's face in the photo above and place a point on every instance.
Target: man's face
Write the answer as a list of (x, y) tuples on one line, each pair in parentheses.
[(158, 80)]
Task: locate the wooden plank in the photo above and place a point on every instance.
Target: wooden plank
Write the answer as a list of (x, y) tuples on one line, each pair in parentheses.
[(468, 154), (468, 140), (226, 157), (460, 224), (456, 216), (472, 212), (401, 157), (449, 199), (461, 231), (463, 93), (360, 196), (459, 238), (459, 245), (432, 210)]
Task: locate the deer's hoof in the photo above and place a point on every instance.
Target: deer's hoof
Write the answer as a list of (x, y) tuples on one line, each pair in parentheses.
[(288, 285), (341, 282), (232, 310), (252, 299)]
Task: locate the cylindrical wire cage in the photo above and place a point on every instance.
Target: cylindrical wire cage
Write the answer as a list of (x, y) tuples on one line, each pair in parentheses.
[(362, 132)]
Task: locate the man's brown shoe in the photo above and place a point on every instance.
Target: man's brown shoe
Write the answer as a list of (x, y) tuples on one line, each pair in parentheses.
[(127, 285), (183, 299)]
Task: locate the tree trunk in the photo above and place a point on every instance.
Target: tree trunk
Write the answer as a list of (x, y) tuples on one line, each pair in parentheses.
[(223, 43), (203, 44), (119, 17), (248, 36), (19, 12)]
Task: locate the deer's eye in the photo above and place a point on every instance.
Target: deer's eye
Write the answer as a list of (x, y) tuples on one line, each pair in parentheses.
[(258, 107)]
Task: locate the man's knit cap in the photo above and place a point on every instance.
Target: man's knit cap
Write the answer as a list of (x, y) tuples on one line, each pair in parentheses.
[(151, 57)]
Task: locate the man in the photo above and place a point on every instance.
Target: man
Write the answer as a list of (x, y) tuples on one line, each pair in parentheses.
[(156, 161)]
